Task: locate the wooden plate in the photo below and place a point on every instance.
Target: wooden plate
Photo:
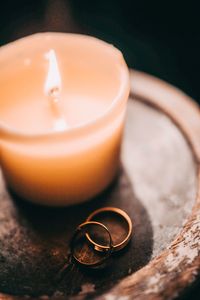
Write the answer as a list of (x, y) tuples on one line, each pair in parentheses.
[(158, 186)]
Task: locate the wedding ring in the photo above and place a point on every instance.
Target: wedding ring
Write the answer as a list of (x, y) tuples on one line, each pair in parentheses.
[(84, 229), (108, 212)]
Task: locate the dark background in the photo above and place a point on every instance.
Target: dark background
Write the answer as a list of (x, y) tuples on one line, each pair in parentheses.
[(159, 37)]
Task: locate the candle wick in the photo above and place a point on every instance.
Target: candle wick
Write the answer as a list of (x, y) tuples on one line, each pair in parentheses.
[(59, 123), (54, 93)]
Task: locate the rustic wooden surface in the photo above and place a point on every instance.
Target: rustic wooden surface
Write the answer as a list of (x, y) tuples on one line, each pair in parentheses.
[(158, 186)]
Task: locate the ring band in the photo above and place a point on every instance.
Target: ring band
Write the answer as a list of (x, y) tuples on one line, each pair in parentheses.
[(83, 227), (121, 213)]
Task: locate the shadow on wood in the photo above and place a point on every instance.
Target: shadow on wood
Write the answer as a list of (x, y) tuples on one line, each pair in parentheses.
[(35, 243)]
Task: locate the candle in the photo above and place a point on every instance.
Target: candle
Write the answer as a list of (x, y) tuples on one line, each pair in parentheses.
[(62, 106)]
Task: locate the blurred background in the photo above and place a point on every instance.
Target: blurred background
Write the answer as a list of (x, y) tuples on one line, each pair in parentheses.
[(159, 37)]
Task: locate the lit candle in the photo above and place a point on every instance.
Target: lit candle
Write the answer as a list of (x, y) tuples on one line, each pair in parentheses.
[(62, 106)]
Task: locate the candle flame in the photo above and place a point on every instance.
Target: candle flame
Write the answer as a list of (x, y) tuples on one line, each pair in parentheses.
[(53, 81), (52, 89)]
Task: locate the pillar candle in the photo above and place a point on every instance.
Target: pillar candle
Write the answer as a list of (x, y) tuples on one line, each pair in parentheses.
[(62, 107)]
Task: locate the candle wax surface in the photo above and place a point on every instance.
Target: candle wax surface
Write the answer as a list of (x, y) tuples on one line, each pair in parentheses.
[(85, 94)]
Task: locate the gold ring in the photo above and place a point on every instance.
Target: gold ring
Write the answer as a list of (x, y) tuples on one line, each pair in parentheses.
[(83, 227), (119, 212)]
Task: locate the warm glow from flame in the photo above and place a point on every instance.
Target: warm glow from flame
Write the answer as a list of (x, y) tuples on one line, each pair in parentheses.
[(53, 81)]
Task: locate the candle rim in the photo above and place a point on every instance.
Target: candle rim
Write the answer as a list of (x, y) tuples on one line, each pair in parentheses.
[(123, 92)]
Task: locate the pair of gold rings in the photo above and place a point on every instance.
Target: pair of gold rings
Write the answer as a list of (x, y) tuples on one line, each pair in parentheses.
[(105, 231)]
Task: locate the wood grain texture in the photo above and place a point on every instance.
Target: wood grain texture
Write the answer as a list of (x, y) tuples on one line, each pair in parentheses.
[(158, 186)]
